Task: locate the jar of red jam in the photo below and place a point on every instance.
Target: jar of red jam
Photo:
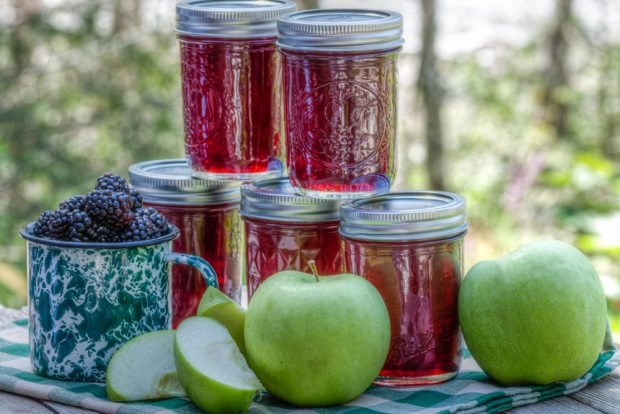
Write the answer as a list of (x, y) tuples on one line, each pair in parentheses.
[(207, 215), (340, 85), (230, 79), (410, 247), (284, 230)]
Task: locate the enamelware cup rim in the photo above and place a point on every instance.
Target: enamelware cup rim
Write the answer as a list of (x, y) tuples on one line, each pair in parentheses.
[(26, 233)]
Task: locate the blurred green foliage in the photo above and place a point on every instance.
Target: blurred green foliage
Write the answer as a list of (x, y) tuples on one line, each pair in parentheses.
[(522, 180), (81, 99), (76, 103)]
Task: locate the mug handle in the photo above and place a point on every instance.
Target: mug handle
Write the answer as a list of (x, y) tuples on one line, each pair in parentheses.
[(205, 269)]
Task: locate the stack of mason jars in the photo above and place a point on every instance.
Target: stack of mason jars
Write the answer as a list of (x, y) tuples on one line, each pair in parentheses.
[(257, 77)]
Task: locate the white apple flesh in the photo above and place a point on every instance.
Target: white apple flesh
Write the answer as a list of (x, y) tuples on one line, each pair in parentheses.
[(211, 368), (144, 369), (216, 305)]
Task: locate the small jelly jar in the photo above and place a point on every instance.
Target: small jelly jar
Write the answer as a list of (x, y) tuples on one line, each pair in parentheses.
[(207, 215), (340, 69), (284, 230), (410, 247), (230, 79)]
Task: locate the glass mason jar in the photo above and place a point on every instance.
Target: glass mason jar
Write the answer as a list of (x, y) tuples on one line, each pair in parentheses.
[(340, 70), (230, 80), (207, 215), (284, 230), (410, 247)]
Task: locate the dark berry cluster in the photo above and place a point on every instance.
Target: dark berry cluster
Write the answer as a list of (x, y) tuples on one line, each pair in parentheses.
[(147, 224), (112, 212)]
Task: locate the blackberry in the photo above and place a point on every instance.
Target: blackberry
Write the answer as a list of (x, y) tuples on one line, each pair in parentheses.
[(111, 209), (74, 203), (59, 224), (112, 182), (81, 224), (136, 198), (41, 226), (111, 213), (147, 224), (101, 234), (117, 184)]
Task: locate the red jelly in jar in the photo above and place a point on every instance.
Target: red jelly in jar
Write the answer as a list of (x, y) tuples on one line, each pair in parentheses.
[(285, 230), (340, 69), (410, 247), (207, 215), (230, 80)]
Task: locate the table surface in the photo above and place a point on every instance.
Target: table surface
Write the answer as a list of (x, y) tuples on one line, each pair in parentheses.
[(600, 397)]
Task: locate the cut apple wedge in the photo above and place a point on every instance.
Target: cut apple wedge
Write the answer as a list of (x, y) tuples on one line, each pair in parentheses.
[(144, 369), (211, 368), (216, 305)]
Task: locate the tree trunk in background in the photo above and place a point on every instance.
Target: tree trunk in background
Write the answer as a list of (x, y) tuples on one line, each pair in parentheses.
[(27, 12), (608, 84), (556, 77), (607, 109), (126, 15), (431, 91), (307, 4)]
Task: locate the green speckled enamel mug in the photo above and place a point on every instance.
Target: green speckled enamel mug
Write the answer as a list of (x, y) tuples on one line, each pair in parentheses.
[(87, 299)]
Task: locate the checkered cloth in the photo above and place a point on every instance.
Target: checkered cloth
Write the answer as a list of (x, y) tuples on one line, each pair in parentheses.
[(470, 392)]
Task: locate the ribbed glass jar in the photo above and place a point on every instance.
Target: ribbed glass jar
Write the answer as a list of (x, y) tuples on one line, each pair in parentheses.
[(410, 247), (284, 230), (340, 70), (207, 215), (230, 78)]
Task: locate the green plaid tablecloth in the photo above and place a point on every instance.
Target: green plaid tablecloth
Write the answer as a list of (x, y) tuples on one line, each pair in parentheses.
[(470, 392)]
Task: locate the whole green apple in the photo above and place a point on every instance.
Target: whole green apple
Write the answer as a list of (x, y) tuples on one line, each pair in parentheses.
[(534, 316), (316, 341)]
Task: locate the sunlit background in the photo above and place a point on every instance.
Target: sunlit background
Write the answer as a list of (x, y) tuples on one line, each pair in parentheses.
[(515, 105)]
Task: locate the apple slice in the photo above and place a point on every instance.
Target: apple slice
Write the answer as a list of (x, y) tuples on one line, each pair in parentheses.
[(144, 369), (211, 368), (216, 305)]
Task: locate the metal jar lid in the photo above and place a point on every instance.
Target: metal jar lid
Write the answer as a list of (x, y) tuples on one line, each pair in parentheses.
[(341, 30), (407, 216), (231, 18), (277, 200), (171, 182)]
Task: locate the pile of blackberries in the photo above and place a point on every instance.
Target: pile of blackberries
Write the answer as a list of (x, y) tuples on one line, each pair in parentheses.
[(112, 212)]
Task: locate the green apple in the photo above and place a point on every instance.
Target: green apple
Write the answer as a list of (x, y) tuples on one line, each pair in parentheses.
[(316, 341), (216, 305), (534, 316), (211, 368), (144, 369)]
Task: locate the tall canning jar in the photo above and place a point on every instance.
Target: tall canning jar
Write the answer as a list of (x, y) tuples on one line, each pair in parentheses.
[(410, 247), (340, 70), (207, 215), (285, 230), (230, 79)]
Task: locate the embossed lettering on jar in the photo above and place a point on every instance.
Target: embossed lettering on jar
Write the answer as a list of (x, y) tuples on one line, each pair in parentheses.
[(284, 230), (340, 69), (231, 95), (207, 215), (410, 246)]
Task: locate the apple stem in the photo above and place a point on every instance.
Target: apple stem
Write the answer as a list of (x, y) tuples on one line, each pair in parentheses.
[(312, 267)]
